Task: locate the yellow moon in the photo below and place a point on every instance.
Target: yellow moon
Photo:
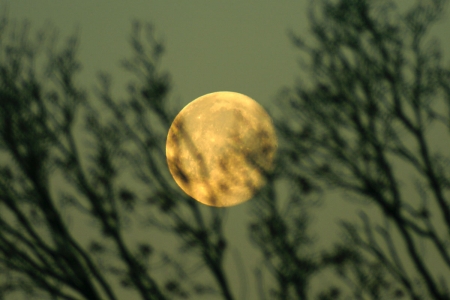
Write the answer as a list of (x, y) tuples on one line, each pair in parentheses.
[(220, 147)]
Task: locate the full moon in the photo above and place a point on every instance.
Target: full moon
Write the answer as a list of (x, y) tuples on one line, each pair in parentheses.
[(220, 147)]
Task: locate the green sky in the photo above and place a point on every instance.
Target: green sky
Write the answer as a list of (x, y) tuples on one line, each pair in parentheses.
[(239, 46)]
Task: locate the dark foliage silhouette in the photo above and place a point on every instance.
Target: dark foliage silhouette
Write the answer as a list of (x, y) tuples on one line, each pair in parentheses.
[(377, 90), (378, 94)]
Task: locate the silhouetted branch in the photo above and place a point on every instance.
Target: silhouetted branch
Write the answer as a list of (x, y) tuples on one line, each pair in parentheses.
[(377, 83)]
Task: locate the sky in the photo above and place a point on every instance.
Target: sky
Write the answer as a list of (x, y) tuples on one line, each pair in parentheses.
[(239, 46)]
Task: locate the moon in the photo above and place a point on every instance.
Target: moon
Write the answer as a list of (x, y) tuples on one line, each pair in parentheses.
[(220, 147)]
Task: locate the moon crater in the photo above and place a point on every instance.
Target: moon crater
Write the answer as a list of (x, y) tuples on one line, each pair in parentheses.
[(220, 147)]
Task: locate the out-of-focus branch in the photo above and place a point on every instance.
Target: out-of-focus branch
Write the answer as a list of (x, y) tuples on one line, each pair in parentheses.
[(376, 84)]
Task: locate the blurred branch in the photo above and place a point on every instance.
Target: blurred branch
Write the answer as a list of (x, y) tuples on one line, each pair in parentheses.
[(376, 84)]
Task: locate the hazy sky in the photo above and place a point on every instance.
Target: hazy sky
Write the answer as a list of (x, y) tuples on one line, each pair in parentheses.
[(238, 46), (220, 46)]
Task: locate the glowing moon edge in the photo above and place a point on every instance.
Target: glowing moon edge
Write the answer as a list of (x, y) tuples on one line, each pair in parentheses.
[(220, 147)]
